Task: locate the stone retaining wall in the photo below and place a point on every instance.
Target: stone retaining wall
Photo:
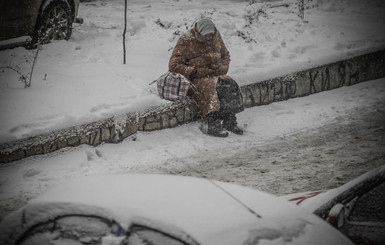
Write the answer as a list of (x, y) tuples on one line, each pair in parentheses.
[(110, 130), (115, 129)]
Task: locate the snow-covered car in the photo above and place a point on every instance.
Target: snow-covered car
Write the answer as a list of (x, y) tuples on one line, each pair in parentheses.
[(43, 20), (357, 208), (162, 209)]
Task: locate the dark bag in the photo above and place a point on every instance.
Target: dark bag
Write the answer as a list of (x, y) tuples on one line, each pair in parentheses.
[(229, 96), (173, 86)]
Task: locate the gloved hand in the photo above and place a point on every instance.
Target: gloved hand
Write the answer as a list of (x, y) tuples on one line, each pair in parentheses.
[(193, 74)]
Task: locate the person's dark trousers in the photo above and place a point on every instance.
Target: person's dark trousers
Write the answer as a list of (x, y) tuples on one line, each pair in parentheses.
[(229, 96), (230, 103)]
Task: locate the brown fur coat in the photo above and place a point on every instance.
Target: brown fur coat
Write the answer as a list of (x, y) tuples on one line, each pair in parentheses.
[(211, 60)]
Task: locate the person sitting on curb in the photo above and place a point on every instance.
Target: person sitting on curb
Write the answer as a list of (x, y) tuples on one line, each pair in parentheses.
[(201, 56)]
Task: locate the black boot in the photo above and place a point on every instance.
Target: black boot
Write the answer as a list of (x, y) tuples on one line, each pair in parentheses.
[(230, 124), (215, 127)]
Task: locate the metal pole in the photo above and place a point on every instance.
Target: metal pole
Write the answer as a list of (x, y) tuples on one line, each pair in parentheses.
[(124, 31)]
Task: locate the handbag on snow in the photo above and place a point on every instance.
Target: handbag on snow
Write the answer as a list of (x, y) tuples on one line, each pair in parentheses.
[(173, 86)]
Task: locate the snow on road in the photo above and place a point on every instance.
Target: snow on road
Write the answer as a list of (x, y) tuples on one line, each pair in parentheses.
[(315, 142)]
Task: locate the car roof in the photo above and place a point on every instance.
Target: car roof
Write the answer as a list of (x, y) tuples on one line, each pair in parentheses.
[(211, 212)]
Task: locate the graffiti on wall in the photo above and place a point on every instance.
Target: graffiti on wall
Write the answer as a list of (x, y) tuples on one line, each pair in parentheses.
[(324, 78), (267, 91), (312, 81), (345, 74)]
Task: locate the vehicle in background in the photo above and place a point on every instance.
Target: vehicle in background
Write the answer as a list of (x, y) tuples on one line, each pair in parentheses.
[(357, 208), (161, 209), (42, 20)]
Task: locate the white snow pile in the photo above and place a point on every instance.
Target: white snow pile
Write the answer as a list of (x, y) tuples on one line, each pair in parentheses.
[(84, 79)]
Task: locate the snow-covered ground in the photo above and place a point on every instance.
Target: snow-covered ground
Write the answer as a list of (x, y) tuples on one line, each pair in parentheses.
[(84, 79), (282, 151)]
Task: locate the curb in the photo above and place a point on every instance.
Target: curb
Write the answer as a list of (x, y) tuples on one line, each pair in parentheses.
[(115, 129)]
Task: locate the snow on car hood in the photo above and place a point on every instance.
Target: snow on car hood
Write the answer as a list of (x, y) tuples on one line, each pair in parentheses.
[(196, 206)]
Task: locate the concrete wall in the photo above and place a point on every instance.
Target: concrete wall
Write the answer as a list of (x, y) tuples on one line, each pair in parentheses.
[(115, 129), (343, 73)]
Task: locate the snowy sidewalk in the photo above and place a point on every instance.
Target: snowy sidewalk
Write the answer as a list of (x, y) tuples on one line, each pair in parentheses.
[(117, 128), (275, 141)]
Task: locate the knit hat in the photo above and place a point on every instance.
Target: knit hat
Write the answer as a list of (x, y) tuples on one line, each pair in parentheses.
[(205, 26)]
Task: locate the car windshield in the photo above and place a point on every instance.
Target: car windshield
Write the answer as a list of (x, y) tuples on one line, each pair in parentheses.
[(95, 230), (70, 230)]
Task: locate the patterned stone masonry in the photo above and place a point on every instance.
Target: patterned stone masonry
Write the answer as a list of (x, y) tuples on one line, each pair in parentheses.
[(115, 129), (168, 117), (111, 130)]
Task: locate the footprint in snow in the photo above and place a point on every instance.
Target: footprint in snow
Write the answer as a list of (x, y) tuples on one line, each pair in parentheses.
[(30, 173), (94, 155)]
